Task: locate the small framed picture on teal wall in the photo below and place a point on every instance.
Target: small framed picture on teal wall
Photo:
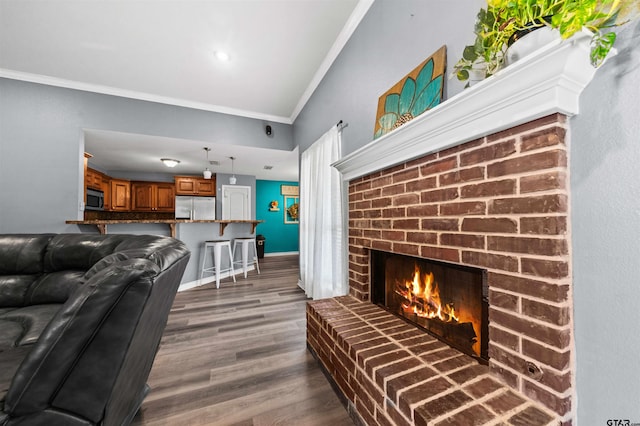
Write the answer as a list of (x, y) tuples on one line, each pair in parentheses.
[(291, 209)]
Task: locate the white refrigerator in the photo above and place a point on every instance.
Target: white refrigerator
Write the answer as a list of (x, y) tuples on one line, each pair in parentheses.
[(195, 208)]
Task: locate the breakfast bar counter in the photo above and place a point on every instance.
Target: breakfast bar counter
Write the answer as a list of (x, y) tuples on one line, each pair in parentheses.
[(102, 223)]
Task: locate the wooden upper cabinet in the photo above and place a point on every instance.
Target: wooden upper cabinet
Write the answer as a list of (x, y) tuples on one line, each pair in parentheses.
[(142, 196), (206, 187), (93, 179), (193, 185), (185, 185), (123, 195), (106, 189), (152, 196), (120, 195), (165, 197)]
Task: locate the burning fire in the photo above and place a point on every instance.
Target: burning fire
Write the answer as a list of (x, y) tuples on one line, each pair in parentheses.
[(422, 298)]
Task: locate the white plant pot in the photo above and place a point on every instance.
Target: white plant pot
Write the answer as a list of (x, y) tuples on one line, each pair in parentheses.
[(476, 75), (530, 42)]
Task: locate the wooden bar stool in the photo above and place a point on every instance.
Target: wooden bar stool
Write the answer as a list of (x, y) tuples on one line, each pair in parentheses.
[(246, 242), (217, 251)]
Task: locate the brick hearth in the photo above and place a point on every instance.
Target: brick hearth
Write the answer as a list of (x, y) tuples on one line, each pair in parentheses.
[(499, 203), (394, 374)]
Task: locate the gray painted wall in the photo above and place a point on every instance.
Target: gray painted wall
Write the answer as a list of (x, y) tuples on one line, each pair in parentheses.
[(605, 213), (41, 155), (394, 37), (41, 145)]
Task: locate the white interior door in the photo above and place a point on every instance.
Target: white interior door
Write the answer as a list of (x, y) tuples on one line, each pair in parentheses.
[(236, 202)]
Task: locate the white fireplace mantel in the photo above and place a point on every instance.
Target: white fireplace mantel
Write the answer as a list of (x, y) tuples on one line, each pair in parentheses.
[(547, 81)]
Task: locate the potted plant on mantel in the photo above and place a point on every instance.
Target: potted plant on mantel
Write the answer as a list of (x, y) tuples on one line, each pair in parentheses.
[(505, 21)]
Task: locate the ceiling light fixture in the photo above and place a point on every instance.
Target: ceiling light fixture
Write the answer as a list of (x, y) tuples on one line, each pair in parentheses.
[(206, 172), (170, 162), (222, 56), (232, 179)]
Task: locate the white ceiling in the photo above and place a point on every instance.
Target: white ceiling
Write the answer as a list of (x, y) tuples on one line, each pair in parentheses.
[(163, 51)]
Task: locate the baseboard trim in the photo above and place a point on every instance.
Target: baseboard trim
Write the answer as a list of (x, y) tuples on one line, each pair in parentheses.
[(281, 253), (211, 279)]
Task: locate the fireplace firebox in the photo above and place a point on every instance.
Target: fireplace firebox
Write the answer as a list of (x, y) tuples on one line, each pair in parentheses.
[(447, 300)]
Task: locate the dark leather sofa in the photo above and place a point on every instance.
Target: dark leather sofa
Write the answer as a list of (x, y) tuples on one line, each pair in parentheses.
[(81, 317)]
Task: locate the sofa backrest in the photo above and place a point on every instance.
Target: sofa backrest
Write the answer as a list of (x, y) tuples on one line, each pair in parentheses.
[(21, 264), (23, 254), (46, 268)]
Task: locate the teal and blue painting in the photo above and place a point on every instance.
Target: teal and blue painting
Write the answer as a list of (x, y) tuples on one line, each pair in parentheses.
[(417, 92)]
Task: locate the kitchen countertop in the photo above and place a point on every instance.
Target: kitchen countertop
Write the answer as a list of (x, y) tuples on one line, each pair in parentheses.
[(102, 223)]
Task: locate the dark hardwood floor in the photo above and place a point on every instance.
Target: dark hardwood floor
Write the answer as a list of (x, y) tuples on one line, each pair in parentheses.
[(237, 356)]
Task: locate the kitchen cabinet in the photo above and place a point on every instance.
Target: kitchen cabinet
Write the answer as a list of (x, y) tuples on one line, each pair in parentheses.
[(106, 189), (152, 196), (165, 197), (193, 185), (120, 195), (93, 179)]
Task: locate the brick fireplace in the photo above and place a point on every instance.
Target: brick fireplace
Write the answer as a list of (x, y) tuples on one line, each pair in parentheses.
[(498, 203), (488, 193)]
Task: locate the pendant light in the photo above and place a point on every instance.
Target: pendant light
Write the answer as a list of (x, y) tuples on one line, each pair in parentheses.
[(232, 179), (206, 172)]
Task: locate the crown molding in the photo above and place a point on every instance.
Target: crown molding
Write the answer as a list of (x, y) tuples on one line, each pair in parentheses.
[(114, 91)]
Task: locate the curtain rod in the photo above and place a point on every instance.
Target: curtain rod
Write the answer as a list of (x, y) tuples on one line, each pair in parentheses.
[(342, 125)]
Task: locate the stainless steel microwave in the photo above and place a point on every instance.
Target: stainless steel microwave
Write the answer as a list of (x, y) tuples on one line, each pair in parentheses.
[(95, 200)]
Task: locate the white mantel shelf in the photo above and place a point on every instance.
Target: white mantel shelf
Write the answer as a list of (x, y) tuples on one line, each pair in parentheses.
[(547, 81)]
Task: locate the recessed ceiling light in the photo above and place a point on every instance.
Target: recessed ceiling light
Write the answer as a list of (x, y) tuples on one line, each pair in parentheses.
[(222, 56)]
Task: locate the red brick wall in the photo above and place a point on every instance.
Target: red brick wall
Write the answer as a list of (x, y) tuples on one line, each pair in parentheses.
[(498, 203)]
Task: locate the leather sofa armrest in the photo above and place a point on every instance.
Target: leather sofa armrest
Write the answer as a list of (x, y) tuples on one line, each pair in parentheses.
[(69, 333)]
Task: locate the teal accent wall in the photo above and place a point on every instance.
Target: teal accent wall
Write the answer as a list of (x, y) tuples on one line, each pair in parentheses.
[(280, 236)]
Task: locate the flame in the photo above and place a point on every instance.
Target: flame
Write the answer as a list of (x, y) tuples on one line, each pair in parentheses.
[(421, 296)]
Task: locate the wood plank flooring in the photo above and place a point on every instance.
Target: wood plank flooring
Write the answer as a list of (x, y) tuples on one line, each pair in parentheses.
[(237, 356)]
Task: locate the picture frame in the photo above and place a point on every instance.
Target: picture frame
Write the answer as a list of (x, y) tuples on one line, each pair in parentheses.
[(290, 190), (291, 209), (417, 92)]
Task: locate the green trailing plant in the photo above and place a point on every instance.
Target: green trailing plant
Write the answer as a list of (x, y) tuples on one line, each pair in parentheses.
[(501, 19)]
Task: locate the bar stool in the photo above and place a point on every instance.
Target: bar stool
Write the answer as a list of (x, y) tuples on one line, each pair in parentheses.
[(246, 242), (217, 246)]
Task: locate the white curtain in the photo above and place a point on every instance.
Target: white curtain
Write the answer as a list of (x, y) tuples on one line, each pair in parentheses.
[(322, 233)]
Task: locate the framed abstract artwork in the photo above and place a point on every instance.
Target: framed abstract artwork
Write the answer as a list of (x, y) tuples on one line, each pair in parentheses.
[(291, 206), (417, 92)]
